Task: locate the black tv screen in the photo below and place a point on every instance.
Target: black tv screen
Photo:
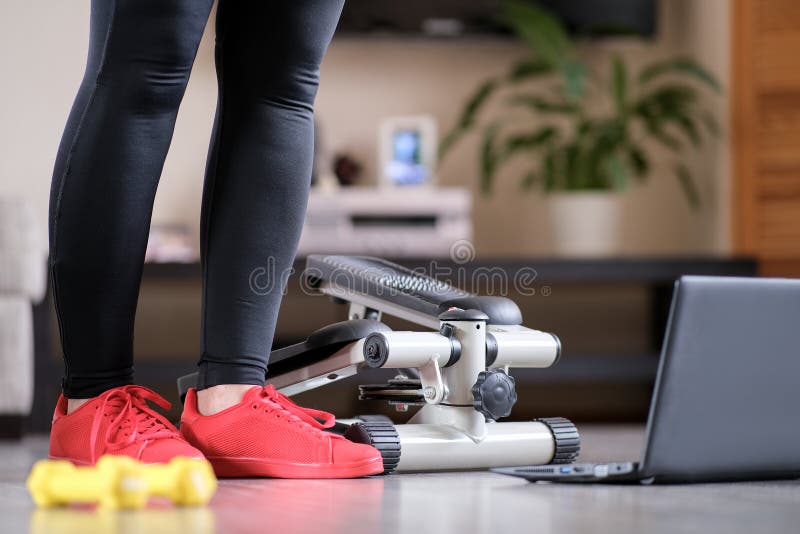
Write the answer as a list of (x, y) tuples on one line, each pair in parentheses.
[(454, 18)]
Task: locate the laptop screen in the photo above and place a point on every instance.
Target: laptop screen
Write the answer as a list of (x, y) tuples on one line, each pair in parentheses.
[(727, 394)]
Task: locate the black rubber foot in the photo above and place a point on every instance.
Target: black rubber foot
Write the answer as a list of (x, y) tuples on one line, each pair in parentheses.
[(380, 434), (12, 426), (567, 439)]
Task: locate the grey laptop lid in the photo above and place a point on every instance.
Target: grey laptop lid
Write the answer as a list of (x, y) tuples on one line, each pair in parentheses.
[(727, 398)]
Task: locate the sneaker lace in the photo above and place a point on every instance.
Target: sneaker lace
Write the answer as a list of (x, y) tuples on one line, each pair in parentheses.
[(133, 419), (315, 418)]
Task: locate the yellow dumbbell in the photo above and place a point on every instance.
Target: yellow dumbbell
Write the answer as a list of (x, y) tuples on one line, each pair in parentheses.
[(184, 481), (114, 482), (121, 482)]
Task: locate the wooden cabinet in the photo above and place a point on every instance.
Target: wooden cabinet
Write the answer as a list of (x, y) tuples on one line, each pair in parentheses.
[(765, 93)]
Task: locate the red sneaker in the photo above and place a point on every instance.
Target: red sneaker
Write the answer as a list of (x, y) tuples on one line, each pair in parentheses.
[(267, 435), (117, 422)]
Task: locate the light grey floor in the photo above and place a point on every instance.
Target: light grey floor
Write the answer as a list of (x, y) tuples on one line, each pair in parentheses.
[(430, 503)]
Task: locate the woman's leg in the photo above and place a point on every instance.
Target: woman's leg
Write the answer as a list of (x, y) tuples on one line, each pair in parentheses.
[(105, 178), (259, 169)]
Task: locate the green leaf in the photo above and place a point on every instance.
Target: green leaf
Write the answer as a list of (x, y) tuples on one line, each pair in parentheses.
[(572, 167), (575, 74), (689, 128), (610, 134), (584, 127), (538, 27), (549, 171), (638, 161), (680, 65), (529, 68), (674, 109), (468, 114), (476, 101), (687, 184), (654, 124), (619, 86), (488, 157), (448, 141), (668, 98), (617, 171), (595, 143), (527, 141), (538, 103), (656, 129), (674, 104)]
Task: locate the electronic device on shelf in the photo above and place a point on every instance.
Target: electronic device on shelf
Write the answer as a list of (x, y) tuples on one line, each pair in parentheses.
[(392, 221)]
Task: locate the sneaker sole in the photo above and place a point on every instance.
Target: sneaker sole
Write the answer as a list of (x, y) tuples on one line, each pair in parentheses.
[(84, 463), (260, 467), (73, 461)]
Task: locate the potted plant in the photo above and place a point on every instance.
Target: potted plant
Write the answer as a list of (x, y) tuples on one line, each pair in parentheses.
[(584, 136)]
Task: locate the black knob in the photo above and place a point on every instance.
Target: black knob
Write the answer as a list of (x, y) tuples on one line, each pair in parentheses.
[(494, 394)]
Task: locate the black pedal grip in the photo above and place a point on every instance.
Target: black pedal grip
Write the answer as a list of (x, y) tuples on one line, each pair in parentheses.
[(567, 439), (381, 435)]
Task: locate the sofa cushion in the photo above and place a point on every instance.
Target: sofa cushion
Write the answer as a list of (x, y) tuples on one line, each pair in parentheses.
[(23, 251), (16, 355)]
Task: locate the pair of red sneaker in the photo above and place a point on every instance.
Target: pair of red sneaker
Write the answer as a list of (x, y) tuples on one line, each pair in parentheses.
[(265, 435)]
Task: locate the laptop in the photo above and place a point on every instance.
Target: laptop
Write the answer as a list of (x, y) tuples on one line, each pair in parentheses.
[(726, 403)]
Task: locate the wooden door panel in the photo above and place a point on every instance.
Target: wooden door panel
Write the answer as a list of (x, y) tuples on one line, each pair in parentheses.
[(765, 116), (776, 184)]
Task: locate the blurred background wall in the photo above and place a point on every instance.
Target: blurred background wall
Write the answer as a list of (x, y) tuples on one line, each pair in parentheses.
[(610, 328), (363, 81)]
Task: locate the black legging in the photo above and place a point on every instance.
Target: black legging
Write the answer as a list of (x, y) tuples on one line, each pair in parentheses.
[(268, 54)]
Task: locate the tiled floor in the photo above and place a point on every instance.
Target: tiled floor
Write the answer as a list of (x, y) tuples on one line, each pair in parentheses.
[(438, 503)]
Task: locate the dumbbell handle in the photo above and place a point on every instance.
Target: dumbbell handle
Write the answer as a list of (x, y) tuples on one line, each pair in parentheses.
[(184, 481), (80, 486)]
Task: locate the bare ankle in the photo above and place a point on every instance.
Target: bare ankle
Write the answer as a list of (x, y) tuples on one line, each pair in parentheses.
[(217, 398), (74, 404)]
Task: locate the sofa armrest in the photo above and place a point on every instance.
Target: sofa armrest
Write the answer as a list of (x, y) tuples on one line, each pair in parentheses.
[(23, 251), (16, 356)]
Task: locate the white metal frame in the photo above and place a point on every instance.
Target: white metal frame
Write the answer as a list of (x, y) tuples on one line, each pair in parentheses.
[(447, 432)]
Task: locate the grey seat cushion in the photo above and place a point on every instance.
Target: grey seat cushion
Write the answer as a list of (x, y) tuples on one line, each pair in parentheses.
[(16, 355), (23, 251), (23, 279)]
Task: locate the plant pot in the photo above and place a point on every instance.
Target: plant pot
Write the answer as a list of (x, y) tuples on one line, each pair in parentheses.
[(585, 224)]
